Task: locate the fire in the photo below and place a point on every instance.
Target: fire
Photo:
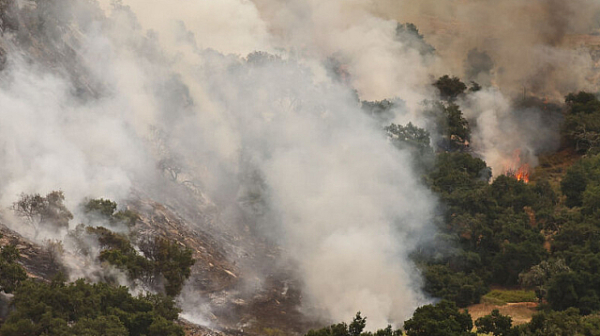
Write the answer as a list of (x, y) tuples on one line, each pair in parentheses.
[(522, 174), (516, 169)]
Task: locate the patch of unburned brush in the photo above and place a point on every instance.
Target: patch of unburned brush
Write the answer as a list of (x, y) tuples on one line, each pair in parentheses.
[(504, 296)]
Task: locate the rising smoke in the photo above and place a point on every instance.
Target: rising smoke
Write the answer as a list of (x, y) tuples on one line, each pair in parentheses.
[(517, 50), (135, 92), (102, 99), (536, 46)]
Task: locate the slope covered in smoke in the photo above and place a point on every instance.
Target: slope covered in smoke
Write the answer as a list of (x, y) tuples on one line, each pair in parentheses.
[(529, 45), (97, 104), (238, 127)]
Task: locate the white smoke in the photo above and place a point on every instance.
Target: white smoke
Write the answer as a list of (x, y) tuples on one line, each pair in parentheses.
[(506, 135), (342, 202), (529, 42)]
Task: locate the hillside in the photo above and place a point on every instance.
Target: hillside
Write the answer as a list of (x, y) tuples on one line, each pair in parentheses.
[(270, 168)]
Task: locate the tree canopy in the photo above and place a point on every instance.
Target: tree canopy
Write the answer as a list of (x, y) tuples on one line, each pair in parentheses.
[(80, 308)]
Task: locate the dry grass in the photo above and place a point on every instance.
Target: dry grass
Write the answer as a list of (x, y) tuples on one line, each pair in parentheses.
[(520, 312)]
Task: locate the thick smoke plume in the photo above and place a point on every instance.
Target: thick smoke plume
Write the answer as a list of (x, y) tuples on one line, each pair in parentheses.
[(535, 46), (110, 97)]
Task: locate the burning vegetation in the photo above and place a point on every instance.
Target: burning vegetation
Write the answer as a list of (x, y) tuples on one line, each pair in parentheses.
[(517, 168)]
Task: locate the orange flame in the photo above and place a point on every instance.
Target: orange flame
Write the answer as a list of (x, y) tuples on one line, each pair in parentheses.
[(516, 169), (522, 174)]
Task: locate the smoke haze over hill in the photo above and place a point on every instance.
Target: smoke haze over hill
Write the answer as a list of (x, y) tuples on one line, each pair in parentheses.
[(232, 98), (533, 44)]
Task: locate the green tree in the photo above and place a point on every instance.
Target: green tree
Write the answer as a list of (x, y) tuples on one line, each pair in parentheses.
[(357, 325), (581, 127), (102, 207), (521, 247), (512, 193), (409, 34), (566, 323), (582, 102), (101, 326), (80, 308), (450, 88), (410, 135), (562, 290), (355, 328), (414, 139), (118, 251), (458, 287), (539, 275), (591, 199), (496, 324), (442, 319), (172, 260), (458, 127), (105, 209), (574, 184), (450, 125), (380, 109), (11, 273), (457, 171), (48, 210)]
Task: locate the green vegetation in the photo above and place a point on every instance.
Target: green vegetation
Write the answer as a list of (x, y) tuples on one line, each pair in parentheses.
[(118, 251), (488, 233), (543, 236), (565, 323), (80, 308), (463, 289), (541, 239), (107, 210), (498, 231), (581, 128), (172, 261), (490, 226), (39, 210), (539, 275), (354, 328), (409, 34), (380, 110), (450, 88), (504, 296), (11, 273), (414, 139), (496, 324), (443, 319), (450, 125), (163, 263)]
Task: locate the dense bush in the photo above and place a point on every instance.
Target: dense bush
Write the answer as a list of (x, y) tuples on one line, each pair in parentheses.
[(80, 308), (164, 262), (105, 209), (11, 273), (355, 328), (442, 319), (581, 128)]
